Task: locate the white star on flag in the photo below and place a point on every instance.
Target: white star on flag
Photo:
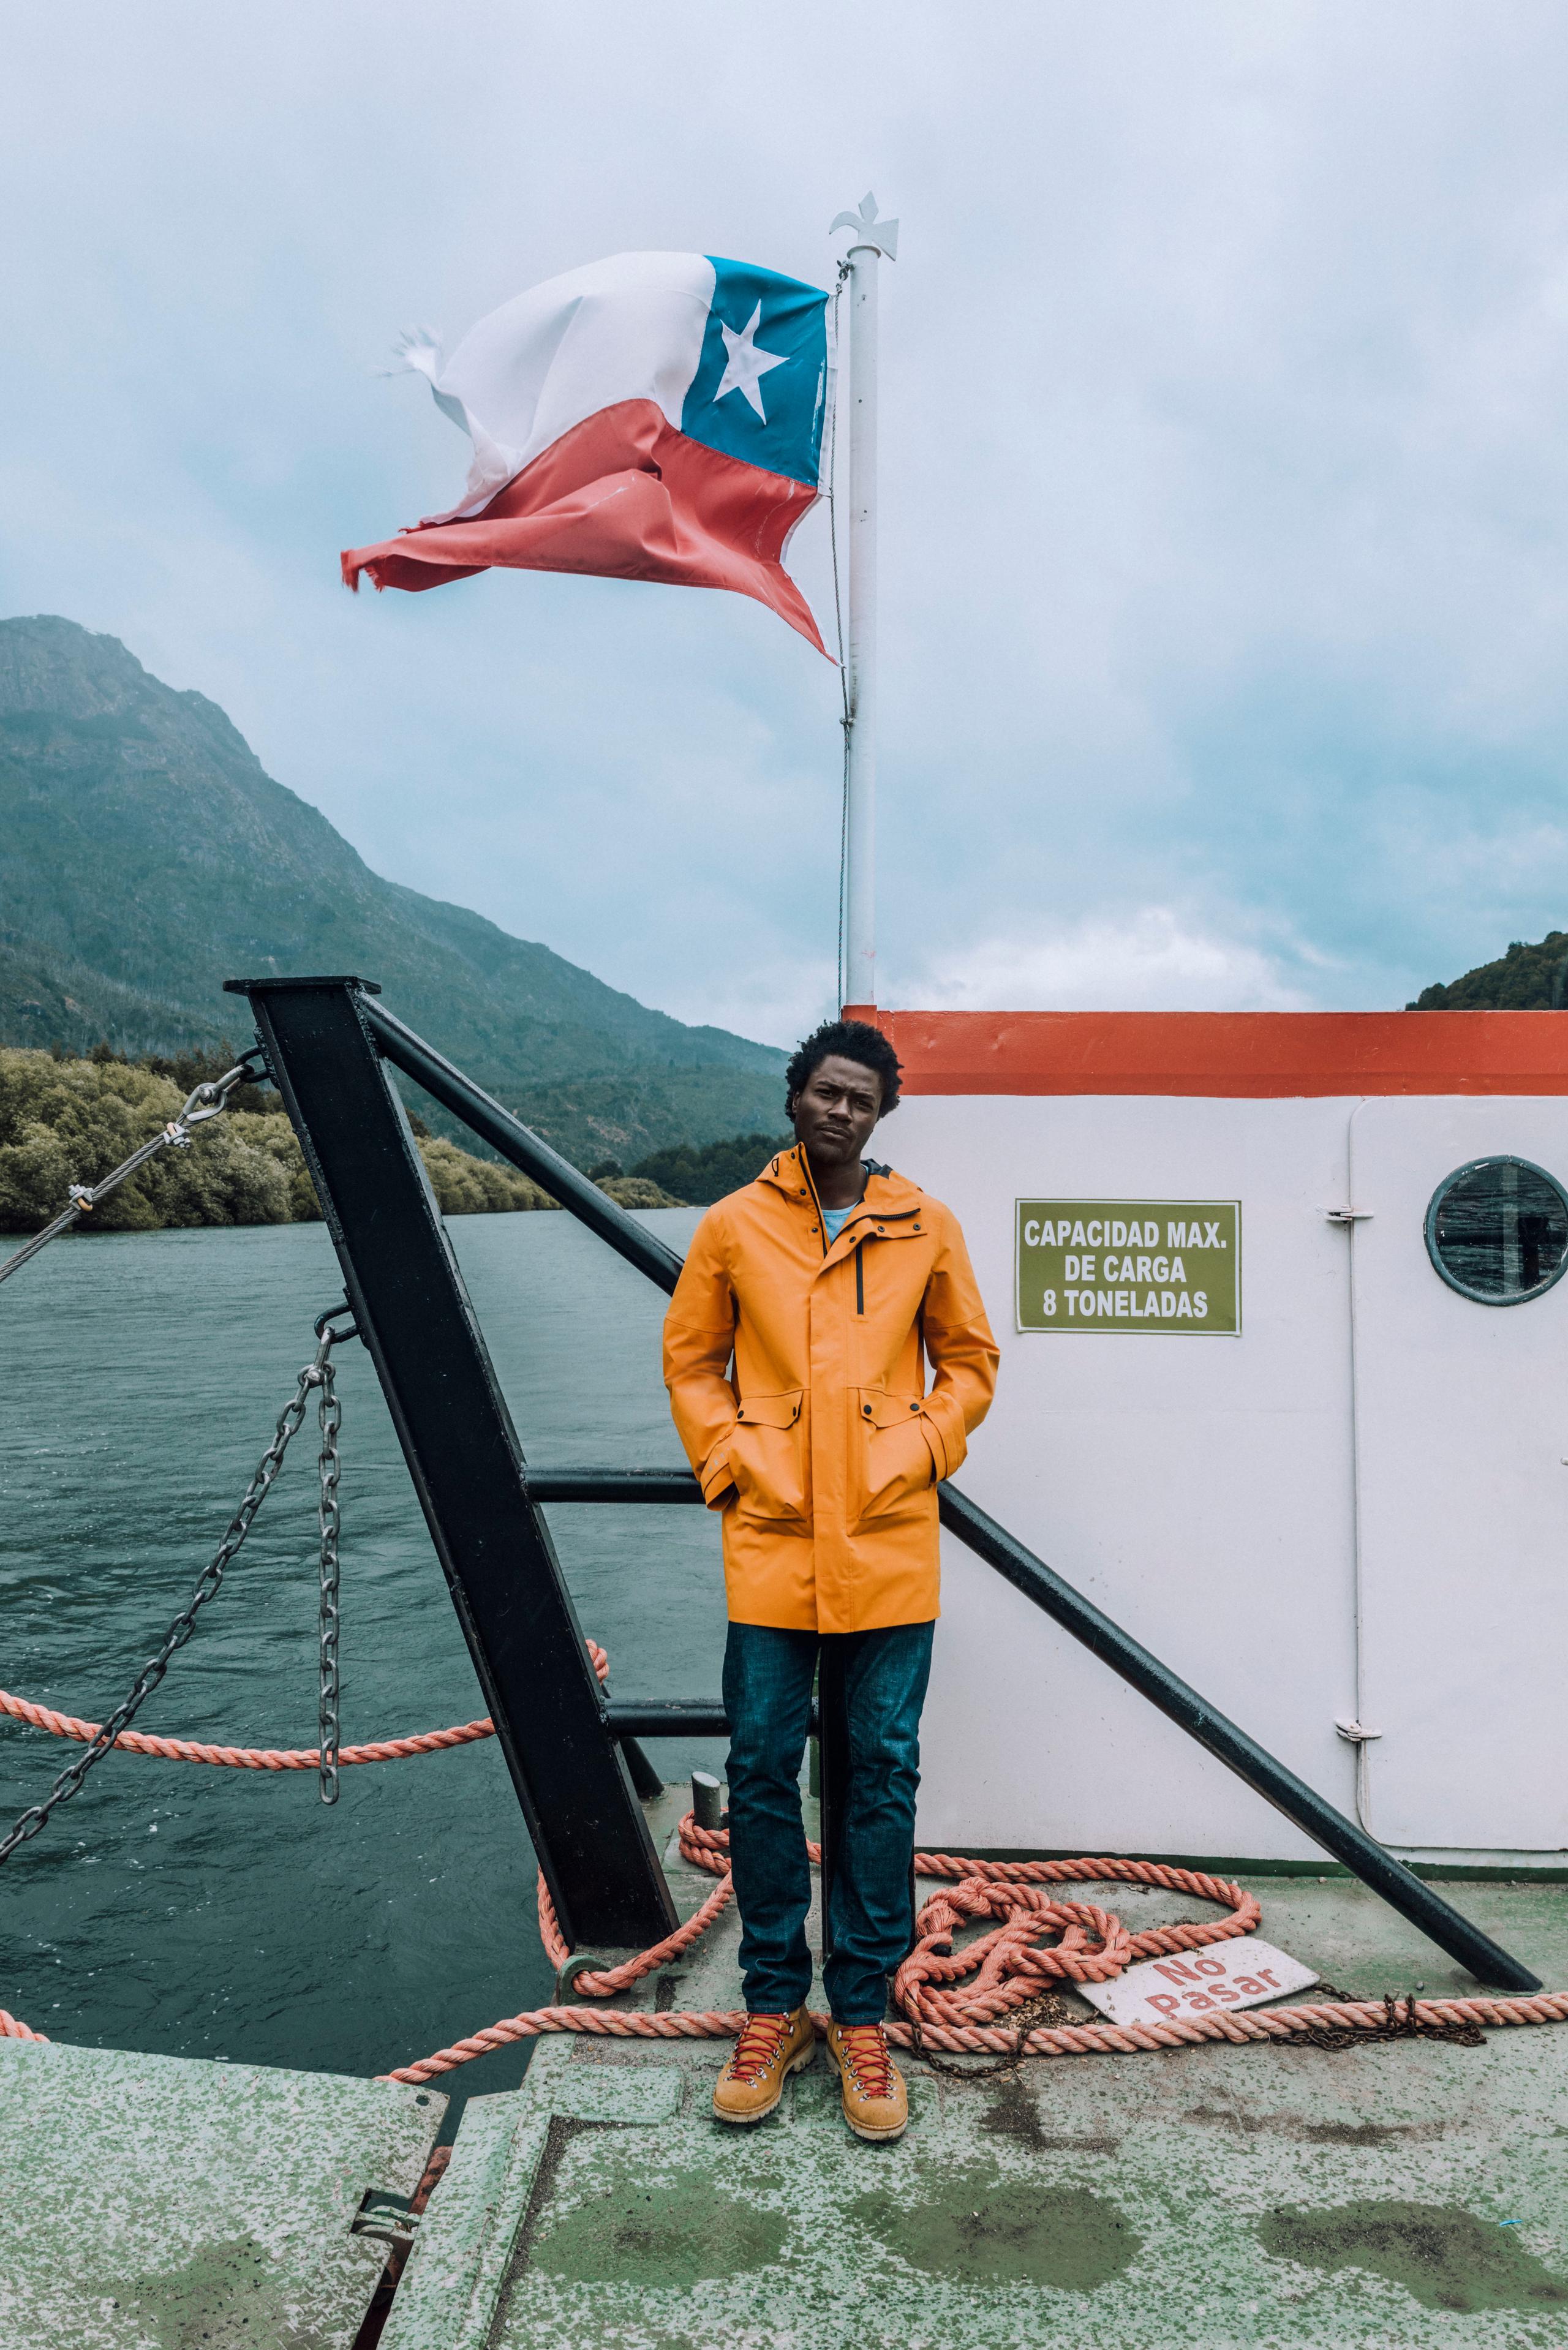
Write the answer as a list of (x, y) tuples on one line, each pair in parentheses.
[(746, 365)]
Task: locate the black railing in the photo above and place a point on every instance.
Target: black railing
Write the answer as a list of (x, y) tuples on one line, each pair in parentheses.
[(1262, 1772), (576, 1786)]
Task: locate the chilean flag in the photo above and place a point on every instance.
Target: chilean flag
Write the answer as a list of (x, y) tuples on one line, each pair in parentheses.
[(656, 416)]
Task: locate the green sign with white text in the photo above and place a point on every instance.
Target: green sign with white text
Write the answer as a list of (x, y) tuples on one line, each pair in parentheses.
[(1157, 1268)]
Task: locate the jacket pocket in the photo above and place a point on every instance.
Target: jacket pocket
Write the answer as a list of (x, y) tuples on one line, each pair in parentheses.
[(767, 1457), (895, 1462)]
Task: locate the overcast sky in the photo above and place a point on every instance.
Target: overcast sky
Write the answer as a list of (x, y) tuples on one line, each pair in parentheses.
[(1224, 494)]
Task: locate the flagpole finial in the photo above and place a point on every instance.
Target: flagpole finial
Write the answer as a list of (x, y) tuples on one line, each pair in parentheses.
[(882, 235)]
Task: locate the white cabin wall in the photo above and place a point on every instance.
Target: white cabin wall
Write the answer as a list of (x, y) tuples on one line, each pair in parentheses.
[(1198, 1489)]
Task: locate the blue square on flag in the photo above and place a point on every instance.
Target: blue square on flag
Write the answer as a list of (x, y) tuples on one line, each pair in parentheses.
[(761, 385)]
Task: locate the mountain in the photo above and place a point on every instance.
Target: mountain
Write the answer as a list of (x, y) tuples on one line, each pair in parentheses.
[(146, 856), (1526, 978)]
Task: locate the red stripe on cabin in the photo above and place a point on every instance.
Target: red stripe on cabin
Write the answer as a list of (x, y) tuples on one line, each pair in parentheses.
[(1249, 1056)]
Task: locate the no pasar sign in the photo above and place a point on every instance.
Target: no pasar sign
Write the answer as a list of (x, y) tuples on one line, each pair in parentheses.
[(1244, 1972)]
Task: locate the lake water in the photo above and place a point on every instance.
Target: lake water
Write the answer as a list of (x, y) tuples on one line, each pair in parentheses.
[(200, 1912)]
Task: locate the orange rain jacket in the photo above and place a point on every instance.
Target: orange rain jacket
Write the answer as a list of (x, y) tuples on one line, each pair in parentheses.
[(798, 1387)]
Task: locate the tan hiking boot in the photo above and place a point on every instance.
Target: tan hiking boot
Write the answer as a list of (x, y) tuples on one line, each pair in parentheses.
[(876, 2102), (769, 2049)]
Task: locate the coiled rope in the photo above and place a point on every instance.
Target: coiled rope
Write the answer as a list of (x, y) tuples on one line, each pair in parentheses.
[(1008, 1967), (1011, 1965)]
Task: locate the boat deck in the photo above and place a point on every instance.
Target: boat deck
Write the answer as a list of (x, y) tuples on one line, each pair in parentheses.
[(155, 2203), (1396, 2193)]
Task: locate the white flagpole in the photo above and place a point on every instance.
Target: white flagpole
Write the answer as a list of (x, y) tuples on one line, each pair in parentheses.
[(870, 239)]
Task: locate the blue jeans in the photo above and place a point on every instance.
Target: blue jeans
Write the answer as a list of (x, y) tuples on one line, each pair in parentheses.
[(767, 1696)]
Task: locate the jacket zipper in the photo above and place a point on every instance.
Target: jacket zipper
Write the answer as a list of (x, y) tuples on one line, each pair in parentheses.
[(822, 1223), (817, 1203), (893, 1216)]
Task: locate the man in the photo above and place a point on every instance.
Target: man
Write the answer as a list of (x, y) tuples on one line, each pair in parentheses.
[(793, 1353)]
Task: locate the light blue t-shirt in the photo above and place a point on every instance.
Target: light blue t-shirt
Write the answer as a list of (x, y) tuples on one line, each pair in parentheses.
[(833, 1221)]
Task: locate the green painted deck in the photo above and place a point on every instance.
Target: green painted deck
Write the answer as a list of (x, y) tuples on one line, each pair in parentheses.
[(150, 2203), (1397, 2194)]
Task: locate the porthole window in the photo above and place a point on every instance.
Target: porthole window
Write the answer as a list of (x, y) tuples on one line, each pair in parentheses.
[(1497, 1231)]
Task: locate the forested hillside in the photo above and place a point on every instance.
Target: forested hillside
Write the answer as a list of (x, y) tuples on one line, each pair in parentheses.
[(709, 1173), (145, 856), (66, 1121), (1525, 979)]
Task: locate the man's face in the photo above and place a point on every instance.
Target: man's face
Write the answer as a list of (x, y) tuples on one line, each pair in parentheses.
[(835, 1111)]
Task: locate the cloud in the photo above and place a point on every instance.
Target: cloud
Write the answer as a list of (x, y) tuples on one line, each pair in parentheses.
[(778, 1003), (1224, 477), (1149, 960)]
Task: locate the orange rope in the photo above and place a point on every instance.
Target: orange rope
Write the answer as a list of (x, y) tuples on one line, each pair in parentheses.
[(247, 1758), (260, 1758), (241, 1758), (1009, 1967), (1008, 1964)]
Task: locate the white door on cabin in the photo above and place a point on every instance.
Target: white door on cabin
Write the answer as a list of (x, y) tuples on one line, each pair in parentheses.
[(1462, 1367)]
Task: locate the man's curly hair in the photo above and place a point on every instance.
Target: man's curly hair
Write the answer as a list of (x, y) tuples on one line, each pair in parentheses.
[(845, 1040)]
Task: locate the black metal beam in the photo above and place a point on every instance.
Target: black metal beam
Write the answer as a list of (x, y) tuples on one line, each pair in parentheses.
[(1317, 1818), (672, 1717), (1366, 1858), (516, 1142), (614, 1485), (1360, 1852), (644, 1778), (414, 1315)]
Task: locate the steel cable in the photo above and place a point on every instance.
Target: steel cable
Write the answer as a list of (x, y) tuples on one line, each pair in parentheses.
[(208, 1101)]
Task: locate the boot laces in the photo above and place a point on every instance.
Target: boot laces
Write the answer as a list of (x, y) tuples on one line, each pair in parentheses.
[(760, 2043), (865, 2046)]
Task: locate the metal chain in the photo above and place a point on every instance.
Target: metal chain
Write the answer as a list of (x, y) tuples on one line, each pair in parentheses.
[(316, 1374), (208, 1101), (331, 1521)]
